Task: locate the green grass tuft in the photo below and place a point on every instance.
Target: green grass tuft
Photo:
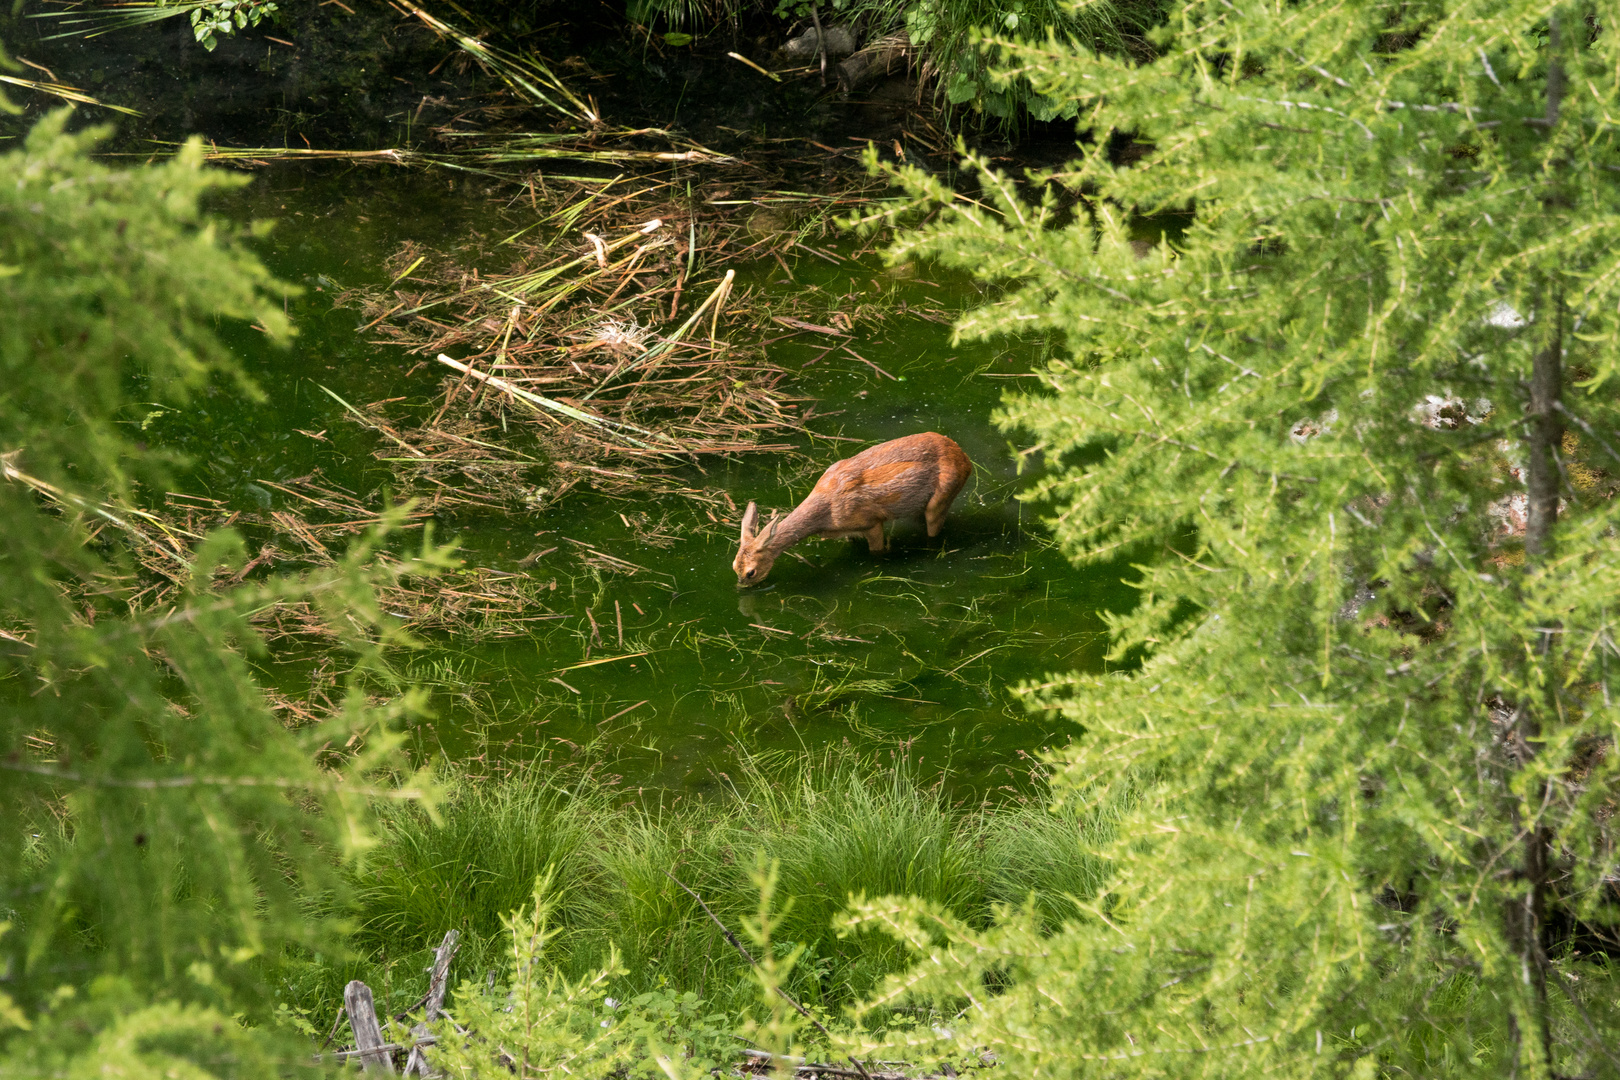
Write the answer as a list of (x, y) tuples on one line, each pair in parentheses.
[(836, 828), (478, 862)]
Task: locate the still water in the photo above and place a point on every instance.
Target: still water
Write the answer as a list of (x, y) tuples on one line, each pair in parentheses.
[(912, 651)]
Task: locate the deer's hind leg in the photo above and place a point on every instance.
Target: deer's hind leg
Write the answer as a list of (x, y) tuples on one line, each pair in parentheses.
[(940, 504)]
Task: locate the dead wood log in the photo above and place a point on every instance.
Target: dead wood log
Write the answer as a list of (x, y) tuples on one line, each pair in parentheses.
[(438, 982), (368, 1039), (878, 60)]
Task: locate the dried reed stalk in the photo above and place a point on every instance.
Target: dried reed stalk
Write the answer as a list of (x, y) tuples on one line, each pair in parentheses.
[(562, 372)]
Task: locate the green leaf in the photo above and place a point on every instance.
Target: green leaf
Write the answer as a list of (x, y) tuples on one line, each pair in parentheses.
[(961, 87)]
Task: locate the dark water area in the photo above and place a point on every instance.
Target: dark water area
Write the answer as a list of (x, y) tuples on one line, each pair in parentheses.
[(328, 75), (914, 651)]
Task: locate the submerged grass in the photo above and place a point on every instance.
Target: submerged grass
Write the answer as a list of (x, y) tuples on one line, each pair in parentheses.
[(837, 828)]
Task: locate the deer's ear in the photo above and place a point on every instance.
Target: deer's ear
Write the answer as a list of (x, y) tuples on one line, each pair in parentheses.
[(770, 526), (750, 521)]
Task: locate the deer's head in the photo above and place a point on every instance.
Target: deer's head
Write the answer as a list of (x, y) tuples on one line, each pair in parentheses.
[(755, 555)]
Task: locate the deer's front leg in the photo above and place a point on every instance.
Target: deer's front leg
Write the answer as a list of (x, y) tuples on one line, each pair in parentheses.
[(874, 537)]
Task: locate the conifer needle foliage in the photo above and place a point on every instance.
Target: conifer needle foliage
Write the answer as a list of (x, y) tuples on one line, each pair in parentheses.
[(1357, 420), (165, 835)]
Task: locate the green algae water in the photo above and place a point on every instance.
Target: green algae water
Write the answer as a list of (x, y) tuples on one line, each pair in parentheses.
[(651, 665), (654, 665)]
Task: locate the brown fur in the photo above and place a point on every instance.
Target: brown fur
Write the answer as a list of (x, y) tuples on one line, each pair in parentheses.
[(917, 476)]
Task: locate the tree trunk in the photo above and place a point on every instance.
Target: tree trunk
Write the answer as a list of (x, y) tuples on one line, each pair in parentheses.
[(1546, 435), (1527, 918)]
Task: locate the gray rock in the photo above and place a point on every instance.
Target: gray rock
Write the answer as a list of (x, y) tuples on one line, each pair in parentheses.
[(876, 61), (840, 42)]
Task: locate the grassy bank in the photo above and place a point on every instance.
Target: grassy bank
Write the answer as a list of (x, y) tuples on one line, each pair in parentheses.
[(836, 829)]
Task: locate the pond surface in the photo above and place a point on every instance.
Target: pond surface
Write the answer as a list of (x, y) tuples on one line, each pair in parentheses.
[(915, 649), (661, 670)]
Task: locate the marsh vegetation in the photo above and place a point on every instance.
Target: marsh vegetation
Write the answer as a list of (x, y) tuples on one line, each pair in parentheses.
[(836, 826)]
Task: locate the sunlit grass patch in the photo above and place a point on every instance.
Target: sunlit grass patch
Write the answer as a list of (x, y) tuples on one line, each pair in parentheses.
[(837, 829)]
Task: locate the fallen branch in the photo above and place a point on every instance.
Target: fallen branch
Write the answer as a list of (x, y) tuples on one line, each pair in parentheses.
[(438, 981)]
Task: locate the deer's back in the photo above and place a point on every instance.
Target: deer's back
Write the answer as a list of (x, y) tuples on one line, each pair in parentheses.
[(891, 480)]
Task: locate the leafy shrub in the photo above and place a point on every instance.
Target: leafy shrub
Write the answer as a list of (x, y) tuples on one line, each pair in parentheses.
[(540, 1018), (1369, 749), (950, 37), (165, 832)]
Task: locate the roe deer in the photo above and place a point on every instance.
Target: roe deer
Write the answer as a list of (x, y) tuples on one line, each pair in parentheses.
[(919, 474)]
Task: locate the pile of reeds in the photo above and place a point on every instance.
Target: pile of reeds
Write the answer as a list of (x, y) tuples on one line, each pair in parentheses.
[(614, 346)]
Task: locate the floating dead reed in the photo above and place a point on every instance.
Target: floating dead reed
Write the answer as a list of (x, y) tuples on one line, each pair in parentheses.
[(315, 523), (615, 347)]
